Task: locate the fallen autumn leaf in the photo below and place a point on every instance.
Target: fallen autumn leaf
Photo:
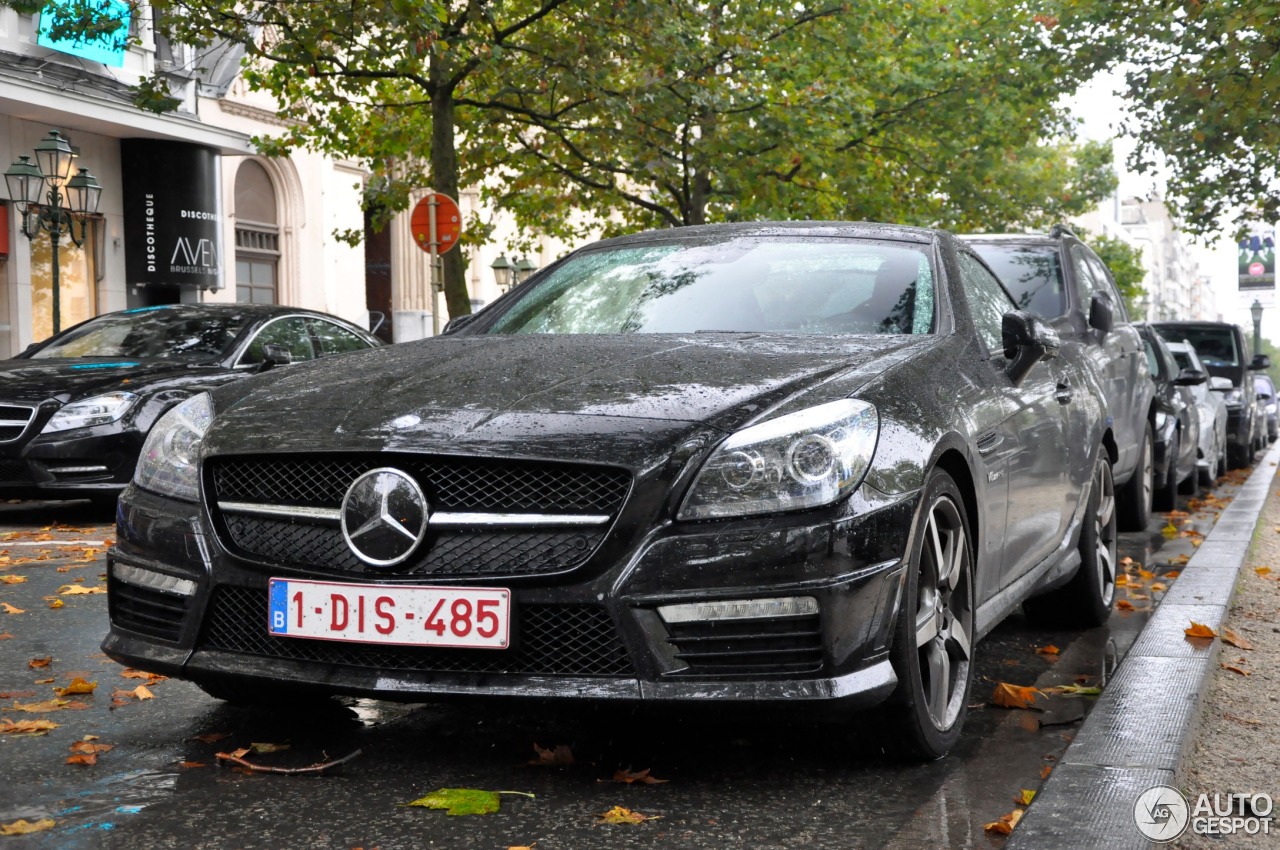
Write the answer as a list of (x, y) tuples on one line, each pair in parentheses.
[(25, 827), (620, 815), (463, 801), (1006, 695), (1005, 825), (1199, 630)]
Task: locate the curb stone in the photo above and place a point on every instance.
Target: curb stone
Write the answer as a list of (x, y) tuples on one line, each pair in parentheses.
[(1146, 717)]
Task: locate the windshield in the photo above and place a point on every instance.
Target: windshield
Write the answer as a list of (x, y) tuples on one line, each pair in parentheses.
[(1032, 274), (1216, 346), (742, 284), (149, 333)]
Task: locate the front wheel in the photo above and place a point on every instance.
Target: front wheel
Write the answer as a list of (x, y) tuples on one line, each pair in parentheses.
[(933, 642), (1086, 600)]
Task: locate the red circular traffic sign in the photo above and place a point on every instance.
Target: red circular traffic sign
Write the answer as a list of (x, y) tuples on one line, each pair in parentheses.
[(448, 222)]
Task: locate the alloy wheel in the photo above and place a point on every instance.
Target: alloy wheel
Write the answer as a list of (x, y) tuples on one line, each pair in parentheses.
[(944, 613), (1105, 532)]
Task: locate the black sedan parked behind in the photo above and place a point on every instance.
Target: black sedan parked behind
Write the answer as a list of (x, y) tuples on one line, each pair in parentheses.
[(75, 409), (792, 463)]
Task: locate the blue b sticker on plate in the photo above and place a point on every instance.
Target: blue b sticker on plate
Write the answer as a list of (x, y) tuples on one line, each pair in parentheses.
[(278, 607)]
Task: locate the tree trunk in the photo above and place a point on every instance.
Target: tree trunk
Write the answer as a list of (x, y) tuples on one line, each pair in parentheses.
[(444, 179)]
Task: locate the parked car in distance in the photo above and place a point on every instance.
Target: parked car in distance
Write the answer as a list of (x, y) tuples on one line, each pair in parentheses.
[(1177, 422), (1059, 278), (1267, 400), (803, 463), (1213, 413), (75, 409), (1223, 348)]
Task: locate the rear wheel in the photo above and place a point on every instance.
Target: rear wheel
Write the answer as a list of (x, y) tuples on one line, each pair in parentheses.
[(933, 643), (1165, 497), (1086, 600), (1134, 501)]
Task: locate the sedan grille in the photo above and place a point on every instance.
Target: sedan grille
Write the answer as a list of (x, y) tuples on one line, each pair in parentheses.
[(504, 491), (14, 420), (550, 640), (14, 472), (775, 645)]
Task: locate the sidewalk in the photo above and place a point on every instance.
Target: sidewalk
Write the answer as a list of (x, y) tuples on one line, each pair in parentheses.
[(1174, 723)]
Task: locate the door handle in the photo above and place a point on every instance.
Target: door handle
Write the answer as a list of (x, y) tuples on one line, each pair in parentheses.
[(1064, 392)]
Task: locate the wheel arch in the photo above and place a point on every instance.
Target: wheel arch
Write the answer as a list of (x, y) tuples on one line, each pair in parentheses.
[(953, 462)]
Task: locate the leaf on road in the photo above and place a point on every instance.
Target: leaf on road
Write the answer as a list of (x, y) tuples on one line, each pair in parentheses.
[(1079, 690), (13, 579), (642, 776), (79, 590), (40, 663), (1172, 574), (47, 705), (77, 686), (1179, 560), (89, 748), (1124, 605), (1024, 797), (151, 678), (1045, 770), (212, 737), (1146, 574), (55, 603), (25, 827), (1126, 562), (6, 636), (142, 693), (1228, 636), (1133, 595), (1159, 587), (1006, 695), (1005, 825), (1262, 571), (463, 801), (83, 758), (25, 727), (1170, 531), (1235, 669), (9, 609), (48, 681), (1122, 580), (619, 815), (263, 748), (192, 764), (558, 756), (1048, 650), (1199, 630)]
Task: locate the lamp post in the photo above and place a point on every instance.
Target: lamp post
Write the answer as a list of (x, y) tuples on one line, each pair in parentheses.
[(27, 181), (1256, 312), (502, 272), (523, 268)]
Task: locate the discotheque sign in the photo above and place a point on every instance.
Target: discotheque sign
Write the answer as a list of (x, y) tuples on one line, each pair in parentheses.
[(172, 214)]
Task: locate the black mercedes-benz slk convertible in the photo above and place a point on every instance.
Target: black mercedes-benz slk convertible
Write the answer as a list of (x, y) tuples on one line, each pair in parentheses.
[(802, 462)]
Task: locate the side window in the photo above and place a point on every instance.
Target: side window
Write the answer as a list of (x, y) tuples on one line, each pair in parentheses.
[(333, 339), (1153, 362), (988, 302), (1104, 281), (290, 332), (1085, 284)]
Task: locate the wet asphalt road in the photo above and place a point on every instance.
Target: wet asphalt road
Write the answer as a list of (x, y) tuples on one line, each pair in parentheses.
[(733, 780)]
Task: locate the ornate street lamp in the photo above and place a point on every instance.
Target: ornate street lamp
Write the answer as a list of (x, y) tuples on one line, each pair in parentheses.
[(523, 268), (502, 272), (1256, 312), (27, 182)]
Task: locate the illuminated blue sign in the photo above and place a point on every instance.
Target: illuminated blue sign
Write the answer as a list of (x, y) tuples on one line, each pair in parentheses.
[(105, 47)]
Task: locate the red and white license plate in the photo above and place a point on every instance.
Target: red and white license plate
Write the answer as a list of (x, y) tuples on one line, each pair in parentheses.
[(471, 617)]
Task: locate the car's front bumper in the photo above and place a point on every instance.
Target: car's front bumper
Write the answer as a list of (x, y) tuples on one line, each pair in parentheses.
[(601, 623), (70, 464)]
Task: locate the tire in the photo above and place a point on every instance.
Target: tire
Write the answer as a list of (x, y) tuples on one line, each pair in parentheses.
[(1086, 600), (1134, 501), (1165, 497), (933, 640), (1190, 486)]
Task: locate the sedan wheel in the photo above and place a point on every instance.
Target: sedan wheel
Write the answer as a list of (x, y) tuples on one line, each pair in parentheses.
[(933, 648), (1135, 499), (1087, 599)]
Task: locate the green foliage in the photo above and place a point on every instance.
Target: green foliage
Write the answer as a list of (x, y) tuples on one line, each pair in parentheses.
[(1125, 264), (1204, 86)]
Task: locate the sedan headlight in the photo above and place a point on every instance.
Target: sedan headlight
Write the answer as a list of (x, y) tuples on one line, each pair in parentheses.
[(99, 410), (801, 460), (170, 456), (1233, 397)]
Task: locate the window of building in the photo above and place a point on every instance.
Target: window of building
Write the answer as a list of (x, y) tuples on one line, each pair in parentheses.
[(257, 236), (78, 289)]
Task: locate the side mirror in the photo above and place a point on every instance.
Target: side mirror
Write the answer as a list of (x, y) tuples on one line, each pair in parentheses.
[(1027, 340), (1101, 315), (1190, 378), (457, 323), (1260, 361), (1221, 385), (274, 355)]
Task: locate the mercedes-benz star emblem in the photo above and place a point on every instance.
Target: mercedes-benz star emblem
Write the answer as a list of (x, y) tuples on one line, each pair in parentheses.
[(384, 516)]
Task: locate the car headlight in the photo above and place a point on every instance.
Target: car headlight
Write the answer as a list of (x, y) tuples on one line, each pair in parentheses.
[(1161, 419), (801, 460), (1271, 409), (99, 410), (1233, 397), (169, 463)]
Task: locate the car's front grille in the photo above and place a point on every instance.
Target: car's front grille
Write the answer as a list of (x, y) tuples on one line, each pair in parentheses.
[(14, 419), (549, 640), (451, 484), (146, 611), (775, 645), (14, 472), (500, 489)]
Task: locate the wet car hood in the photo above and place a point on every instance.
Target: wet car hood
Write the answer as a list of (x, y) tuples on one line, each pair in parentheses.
[(71, 378), (589, 395)]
